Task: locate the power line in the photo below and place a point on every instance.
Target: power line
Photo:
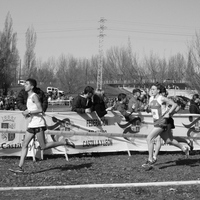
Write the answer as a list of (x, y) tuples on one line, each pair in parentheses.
[(153, 24), (116, 30), (110, 21), (113, 36), (147, 32)]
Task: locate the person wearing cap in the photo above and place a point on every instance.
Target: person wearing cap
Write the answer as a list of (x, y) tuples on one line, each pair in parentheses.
[(135, 105)]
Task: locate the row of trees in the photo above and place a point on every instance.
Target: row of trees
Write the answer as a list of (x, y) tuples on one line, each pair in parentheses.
[(70, 73), (9, 56), (10, 62)]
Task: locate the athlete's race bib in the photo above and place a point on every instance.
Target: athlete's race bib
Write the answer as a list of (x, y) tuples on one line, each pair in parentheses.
[(155, 113)]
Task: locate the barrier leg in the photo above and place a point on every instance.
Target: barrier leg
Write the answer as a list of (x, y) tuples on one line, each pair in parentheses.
[(129, 153), (42, 154), (66, 156)]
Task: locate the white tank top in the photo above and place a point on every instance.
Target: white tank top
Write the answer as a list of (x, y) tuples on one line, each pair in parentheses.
[(36, 120), (157, 107)]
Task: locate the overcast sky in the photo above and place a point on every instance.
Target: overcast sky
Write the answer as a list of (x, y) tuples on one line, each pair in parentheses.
[(70, 27)]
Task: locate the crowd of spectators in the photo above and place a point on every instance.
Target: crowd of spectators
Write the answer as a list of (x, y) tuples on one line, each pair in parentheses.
[(52, 96), (7, 102), (137, 101)]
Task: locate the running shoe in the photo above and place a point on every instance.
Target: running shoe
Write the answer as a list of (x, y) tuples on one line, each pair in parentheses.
[(154, 159), (69, 143), (186, 150), (17, 170), (149, 164)]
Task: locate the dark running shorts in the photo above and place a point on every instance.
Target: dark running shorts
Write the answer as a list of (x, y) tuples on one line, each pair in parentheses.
[(170, 121), (164, 122), (36, 130), (161, 123)]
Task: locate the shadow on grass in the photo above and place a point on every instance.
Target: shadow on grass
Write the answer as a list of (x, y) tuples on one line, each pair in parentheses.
[(65, 168), (188, 162)]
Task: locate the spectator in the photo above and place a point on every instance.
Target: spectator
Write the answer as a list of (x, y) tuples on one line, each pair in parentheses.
[(194, 104), (144, 98), (134, 104), (122, 105), (11, 103), (1, 103), (83, 103), (99, 103)]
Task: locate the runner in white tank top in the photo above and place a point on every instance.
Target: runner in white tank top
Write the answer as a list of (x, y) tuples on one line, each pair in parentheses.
[(158, 109), (168, 130), (161, 117), (36, 126), (36, 120)]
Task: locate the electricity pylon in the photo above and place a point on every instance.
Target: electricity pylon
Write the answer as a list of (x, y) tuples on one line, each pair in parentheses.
[(100, 61)]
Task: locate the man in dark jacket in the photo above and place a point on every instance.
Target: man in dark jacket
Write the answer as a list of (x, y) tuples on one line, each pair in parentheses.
[(83, 103), (194, 104), (23, 95), (98, 103)]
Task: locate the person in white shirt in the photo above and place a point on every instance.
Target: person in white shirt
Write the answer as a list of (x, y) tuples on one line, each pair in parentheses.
[(36, 125), (162, 108)]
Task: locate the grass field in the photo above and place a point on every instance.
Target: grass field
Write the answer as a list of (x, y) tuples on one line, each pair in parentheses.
[(102, 168)]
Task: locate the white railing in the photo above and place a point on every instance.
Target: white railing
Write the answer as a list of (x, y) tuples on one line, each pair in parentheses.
[(60, 102)]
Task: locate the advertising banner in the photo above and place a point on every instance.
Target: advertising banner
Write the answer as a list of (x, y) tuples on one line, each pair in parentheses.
[(186, 125), (11, 143)]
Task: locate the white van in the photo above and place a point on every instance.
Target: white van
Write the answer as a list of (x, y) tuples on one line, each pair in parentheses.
[(21, 82)]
